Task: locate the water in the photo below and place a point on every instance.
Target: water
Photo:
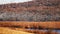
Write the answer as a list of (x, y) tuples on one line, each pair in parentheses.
[(58, 31)]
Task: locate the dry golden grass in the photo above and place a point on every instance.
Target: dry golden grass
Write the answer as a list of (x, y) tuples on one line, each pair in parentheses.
[(7, 30), (4, 30)]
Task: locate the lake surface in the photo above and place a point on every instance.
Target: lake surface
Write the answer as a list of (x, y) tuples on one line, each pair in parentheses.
[(58, 31)]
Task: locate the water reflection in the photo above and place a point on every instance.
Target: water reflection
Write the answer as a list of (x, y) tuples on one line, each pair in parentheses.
[(58, 31)]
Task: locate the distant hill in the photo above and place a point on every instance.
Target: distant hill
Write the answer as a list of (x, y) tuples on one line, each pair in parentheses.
[(36, 10)]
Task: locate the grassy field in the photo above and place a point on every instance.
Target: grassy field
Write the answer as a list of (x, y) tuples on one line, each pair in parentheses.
[(4, 30), (7, 26), (7, 30)]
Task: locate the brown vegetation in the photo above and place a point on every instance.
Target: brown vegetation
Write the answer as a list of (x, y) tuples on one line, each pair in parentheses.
[(52, 24), (36, 10), (37, 26)]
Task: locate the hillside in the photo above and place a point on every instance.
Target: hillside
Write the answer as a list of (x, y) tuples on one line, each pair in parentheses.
[(36, 10), (34, 17)]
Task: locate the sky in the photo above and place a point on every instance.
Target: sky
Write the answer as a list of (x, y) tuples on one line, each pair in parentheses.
[(12, 1)]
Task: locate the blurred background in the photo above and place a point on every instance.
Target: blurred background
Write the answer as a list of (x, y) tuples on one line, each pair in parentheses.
[(12, 1)]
